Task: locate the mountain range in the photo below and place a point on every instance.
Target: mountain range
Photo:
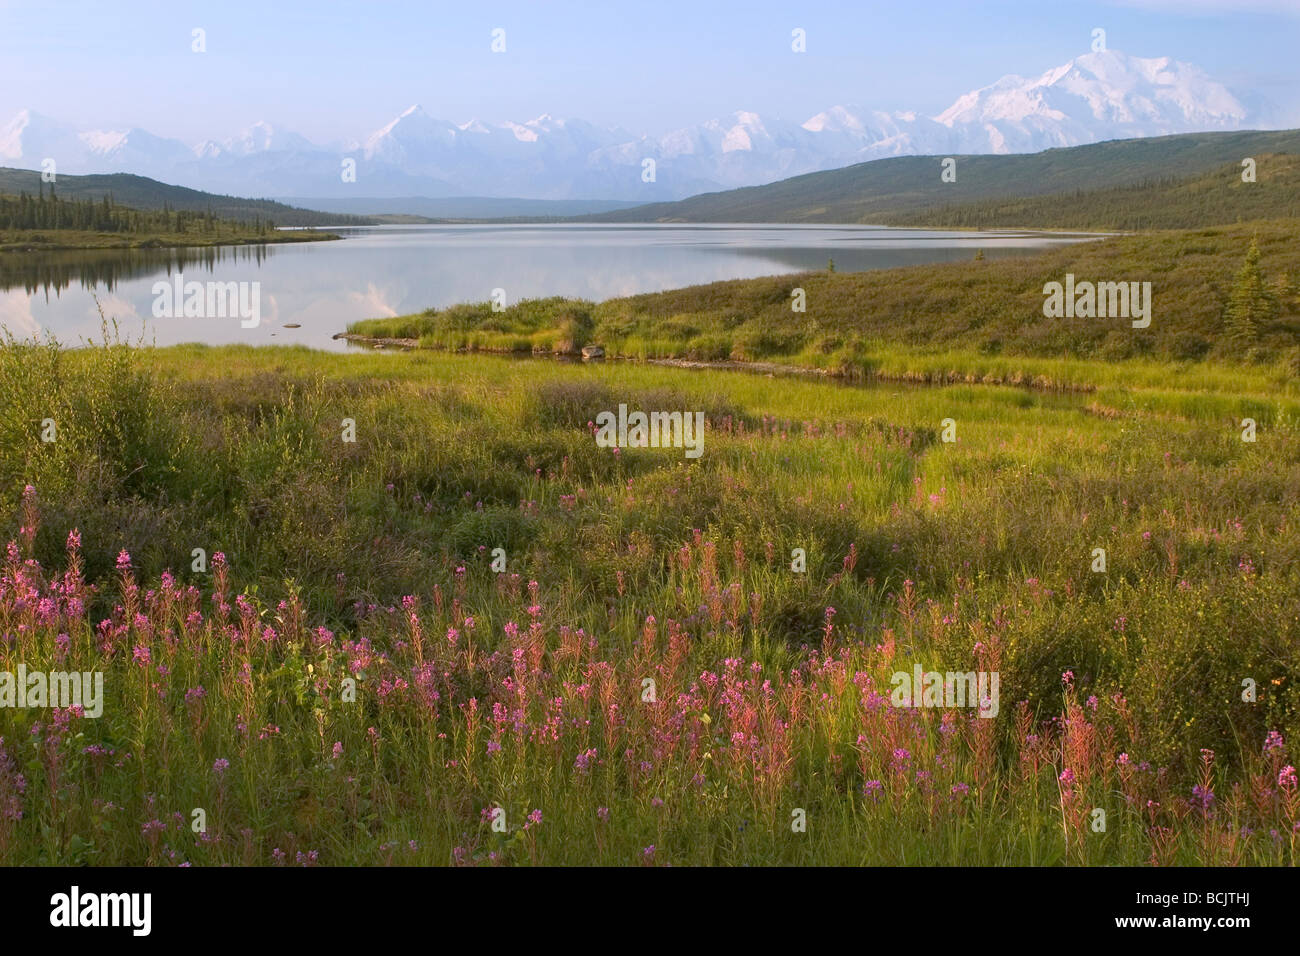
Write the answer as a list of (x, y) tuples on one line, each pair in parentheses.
[(1094, 97)]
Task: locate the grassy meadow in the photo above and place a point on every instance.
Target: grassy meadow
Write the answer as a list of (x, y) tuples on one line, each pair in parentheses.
[(340, 676), (975, 322)]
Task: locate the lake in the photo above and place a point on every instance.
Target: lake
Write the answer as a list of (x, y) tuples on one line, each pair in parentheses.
[(394, 270)]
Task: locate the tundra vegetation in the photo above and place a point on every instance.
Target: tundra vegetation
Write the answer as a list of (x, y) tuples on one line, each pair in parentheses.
[(1219, 311), (311, 657)]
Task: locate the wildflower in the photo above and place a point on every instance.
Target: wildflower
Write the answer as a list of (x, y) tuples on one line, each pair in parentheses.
[(1273, 741), (220, 766), (1287, 778), (603, 813), (1203, 795), (1067, 678)]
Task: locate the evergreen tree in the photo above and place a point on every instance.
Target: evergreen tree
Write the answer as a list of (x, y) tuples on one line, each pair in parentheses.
[(1251, 305)]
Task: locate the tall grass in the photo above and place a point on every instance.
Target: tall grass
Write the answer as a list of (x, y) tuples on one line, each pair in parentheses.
[(226, 688)]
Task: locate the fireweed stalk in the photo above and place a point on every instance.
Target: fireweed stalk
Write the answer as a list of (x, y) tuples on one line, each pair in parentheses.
[(245, 707)]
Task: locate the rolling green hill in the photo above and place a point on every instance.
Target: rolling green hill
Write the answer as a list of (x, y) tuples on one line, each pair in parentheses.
[(140, 192), (1216, 198), (909, 188), (982, 318)]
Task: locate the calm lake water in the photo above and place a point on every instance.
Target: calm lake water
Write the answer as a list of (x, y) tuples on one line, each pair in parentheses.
[(394, 270)]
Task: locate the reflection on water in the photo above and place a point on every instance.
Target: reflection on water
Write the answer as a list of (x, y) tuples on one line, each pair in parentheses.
[(46, 272), (320, 287)]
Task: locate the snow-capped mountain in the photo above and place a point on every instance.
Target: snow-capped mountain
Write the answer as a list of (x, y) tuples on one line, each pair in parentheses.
[(1093, 97), (1097, 96)]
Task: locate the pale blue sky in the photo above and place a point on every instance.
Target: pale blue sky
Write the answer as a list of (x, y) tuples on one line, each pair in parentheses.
[(339, 70)]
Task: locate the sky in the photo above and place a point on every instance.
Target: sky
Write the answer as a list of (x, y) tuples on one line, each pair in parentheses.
[(337, 71)]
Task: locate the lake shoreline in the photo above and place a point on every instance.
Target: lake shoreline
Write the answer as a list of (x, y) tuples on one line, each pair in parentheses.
[(839, 374), (34, 241)]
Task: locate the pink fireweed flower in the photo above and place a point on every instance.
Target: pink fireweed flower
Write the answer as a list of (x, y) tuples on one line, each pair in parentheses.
[(1067, 777), (338, 749), (1067, 678), (220, 766), (123, 560), (1203, 796), (602, 813), (1287, 778), (1273, 741)]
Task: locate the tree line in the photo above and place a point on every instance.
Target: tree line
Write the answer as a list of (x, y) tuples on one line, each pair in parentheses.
[(49, 212)]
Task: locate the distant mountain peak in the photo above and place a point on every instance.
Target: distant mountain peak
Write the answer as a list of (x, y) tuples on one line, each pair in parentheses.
[(1106, 94), (1092, 97)]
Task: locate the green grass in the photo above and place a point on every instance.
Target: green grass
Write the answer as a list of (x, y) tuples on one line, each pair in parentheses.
[(980, 321), (974, 554)]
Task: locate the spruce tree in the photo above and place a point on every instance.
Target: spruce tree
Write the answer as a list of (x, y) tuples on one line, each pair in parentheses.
[(1251, 305)]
